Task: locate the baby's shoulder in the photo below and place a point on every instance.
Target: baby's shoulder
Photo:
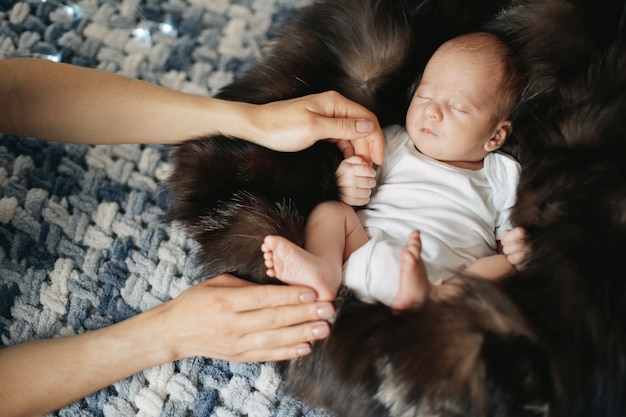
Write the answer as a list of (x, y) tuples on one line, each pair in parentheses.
[(502, 172), (502, 163)]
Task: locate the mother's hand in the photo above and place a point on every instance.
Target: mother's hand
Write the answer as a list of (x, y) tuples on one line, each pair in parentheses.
[(232, 319), (295, 124)]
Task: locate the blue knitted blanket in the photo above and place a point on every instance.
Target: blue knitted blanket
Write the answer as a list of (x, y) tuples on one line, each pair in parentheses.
[(81, 243)]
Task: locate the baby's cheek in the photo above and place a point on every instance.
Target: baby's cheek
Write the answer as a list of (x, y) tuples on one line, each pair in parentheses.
[(412, 115), (412, 129)]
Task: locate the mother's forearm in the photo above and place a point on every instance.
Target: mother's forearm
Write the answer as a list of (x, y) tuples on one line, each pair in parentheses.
[(68, 103), (41, 376)]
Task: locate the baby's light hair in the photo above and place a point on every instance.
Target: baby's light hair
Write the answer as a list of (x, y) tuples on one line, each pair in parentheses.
[(494, 48)]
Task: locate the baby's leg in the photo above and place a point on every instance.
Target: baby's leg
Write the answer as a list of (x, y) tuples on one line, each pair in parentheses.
[(294, 265), (413, 287), (333, 231)]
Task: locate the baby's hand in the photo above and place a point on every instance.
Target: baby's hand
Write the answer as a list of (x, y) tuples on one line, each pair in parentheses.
[(355, 178), (515, 245)]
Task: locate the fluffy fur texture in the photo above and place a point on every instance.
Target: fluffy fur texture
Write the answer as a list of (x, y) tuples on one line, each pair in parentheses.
[(550, 341)]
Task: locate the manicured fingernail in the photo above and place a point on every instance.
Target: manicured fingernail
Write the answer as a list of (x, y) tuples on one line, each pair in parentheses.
[(364, 126), (303, 350), (325, 312), (320, 331), (308, 297)]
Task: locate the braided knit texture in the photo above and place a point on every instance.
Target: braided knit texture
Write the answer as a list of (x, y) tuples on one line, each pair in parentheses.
[(82, 245)]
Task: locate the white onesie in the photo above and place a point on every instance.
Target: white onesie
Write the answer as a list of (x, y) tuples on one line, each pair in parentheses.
[(460, 214)]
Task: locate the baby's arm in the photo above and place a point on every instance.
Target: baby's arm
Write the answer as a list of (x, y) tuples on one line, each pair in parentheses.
[(355, 178), (512, 251), (491, 267)]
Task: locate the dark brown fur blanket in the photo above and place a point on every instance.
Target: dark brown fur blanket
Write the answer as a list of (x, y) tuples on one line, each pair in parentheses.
[(550, 341)]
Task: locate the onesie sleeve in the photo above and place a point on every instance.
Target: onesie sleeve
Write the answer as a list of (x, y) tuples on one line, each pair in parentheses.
[(503, 176)]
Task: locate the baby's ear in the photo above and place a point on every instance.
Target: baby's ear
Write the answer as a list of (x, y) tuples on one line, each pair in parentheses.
[(499, 137)]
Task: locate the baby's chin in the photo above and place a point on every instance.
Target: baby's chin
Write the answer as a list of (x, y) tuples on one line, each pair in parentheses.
[(427, 146)]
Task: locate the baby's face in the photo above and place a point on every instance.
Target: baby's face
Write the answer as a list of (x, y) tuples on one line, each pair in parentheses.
[(454, 112)]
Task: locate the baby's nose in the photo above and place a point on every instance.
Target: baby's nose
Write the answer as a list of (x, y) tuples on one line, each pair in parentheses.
[(432, 111)]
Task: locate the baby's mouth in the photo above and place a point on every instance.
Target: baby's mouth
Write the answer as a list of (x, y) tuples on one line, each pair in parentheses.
[(428, 132)]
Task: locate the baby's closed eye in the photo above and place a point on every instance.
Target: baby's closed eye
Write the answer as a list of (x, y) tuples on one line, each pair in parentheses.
[(459, 107)]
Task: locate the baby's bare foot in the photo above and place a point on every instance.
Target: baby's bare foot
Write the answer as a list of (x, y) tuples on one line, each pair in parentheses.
[(294, 265), (413, 287)]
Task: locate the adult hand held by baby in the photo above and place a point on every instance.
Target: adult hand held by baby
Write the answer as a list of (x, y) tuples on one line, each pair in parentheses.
[(356, 179), (296, 124)]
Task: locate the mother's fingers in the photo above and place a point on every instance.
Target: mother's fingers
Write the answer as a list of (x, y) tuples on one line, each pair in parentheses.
[(251, 296), (271, 318), (284, 343), (268, 296), (372, 146), (282, 332)]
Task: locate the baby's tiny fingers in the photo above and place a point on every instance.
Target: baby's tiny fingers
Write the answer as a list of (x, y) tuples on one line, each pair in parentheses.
[(517, 233), (364, 171), (515, 258), (365, 182), (513, 247)]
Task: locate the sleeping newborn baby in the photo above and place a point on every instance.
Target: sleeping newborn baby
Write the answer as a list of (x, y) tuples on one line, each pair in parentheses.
[(441, 200)]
